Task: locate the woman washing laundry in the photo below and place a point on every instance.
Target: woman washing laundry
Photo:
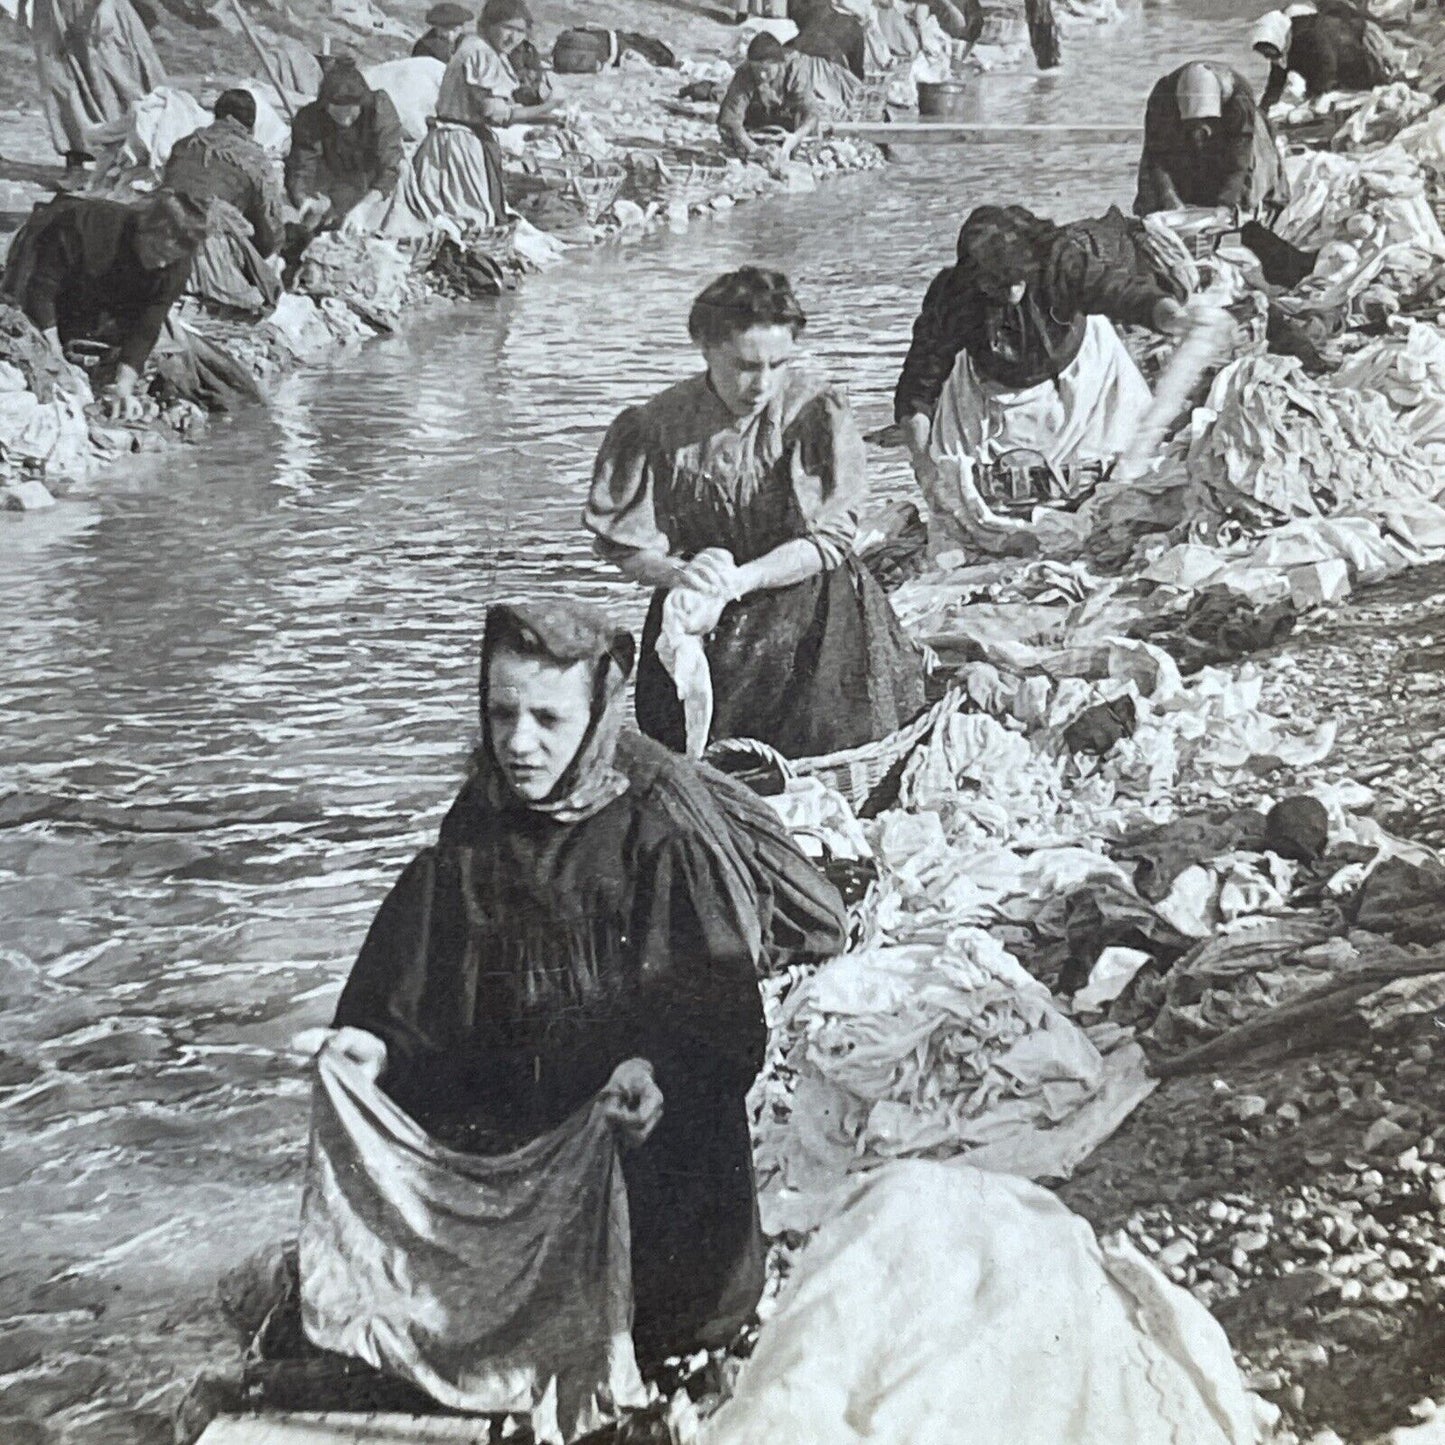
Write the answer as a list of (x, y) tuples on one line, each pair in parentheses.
[(1015, 348), (1207, 144), (1330, 47), (740, 488), (588, 928), (457, 170)]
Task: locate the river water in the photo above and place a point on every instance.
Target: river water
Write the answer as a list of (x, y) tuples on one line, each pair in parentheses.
[(238, 685)]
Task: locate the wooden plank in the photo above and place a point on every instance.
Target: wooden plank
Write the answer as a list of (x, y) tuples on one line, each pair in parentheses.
[(955, 132), (344, 1428)]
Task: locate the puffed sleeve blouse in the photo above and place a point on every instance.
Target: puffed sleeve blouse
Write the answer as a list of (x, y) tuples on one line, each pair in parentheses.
[(682, 473)]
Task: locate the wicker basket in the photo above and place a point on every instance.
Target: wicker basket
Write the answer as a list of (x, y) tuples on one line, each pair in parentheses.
[(867, 776), (678, 178), (588, 186)]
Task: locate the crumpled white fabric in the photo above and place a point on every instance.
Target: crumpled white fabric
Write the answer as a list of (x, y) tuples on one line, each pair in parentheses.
[(1277, 444), (920, 1051), (681, 652), (947, 1306)]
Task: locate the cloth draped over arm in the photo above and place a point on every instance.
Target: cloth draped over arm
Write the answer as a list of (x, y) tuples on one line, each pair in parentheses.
[(828, 471), (621, 511), (937, 340)]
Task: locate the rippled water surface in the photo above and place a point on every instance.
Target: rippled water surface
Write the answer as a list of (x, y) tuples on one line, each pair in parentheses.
[(237, 685)]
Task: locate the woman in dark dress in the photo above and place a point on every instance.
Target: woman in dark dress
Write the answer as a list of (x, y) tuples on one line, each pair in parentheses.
[(595, 911), (743, 484)]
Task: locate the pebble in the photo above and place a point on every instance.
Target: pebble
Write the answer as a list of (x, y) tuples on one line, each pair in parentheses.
[(1389, 1291), (1249, 1106), (1176, 1252), (1384, 1136), (1251, 1241)]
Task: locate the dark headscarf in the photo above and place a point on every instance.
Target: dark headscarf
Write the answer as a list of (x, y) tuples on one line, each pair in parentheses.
[(344, 84), (1004, 244), (500, 12), (562, 632)]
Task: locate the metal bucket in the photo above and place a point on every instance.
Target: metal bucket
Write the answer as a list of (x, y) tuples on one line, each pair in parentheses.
[(946, 99)]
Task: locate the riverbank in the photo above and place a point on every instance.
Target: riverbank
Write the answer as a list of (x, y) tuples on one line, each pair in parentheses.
[(238, 691), (628, 120)]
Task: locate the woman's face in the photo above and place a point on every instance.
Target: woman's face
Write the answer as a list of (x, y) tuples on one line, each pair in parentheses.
[(1002, 293), (746, 370), (507, 36), (537, 713), (158, 245)]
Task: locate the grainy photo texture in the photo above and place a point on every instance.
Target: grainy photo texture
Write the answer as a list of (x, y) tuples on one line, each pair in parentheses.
[(721, 726)]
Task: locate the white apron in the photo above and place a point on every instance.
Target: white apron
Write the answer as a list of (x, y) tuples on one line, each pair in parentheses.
[(1090, 414)]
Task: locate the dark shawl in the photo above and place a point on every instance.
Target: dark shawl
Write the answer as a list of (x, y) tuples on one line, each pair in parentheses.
[(522, 958), (73, 265), (1071, 272)]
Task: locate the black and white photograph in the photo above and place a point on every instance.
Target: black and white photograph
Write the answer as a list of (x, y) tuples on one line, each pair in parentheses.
[(721, 722)]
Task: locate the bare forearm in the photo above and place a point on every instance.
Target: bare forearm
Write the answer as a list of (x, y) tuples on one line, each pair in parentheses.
[(785, 565), (647, 569)]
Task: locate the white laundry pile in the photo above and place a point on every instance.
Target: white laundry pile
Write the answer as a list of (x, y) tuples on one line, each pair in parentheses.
[(1380, 195), (365, 269), (1387, 111), (953, 1052), (1013, 1323), (412, 84), (1408, 370), (1271, 443)]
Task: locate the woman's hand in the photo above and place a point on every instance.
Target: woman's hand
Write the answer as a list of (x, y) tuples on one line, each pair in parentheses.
[(697, 612), (713, 570), (120, 402), (1168, 318), (632, 1102), (355, 224), (363, 1049)]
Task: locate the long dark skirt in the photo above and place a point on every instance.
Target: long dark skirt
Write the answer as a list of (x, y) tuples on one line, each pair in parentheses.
[(808, 669)]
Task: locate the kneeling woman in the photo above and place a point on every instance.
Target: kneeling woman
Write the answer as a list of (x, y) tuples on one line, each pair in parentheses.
[(595, 910), (1014, 349), (457, 170), (743, 484)]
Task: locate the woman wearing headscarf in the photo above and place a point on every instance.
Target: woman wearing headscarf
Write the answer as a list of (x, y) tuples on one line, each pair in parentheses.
[(740, 489), (593, 917), (346, 153), (1332, 47), (1014, 348), (1207, 144), (457, 170)]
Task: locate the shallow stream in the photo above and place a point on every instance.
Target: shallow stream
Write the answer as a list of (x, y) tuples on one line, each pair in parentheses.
[(238, 685)]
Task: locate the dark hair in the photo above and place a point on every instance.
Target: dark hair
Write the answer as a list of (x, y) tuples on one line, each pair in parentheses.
[(181, 216), (766, 49), (740, 300), (236, 105)]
